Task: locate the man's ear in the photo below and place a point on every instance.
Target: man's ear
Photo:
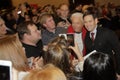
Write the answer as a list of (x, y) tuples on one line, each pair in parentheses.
[(96, 20), (44, 25), (26, 35)]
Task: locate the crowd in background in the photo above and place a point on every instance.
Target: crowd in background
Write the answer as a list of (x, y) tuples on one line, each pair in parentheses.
[(108, 14), (30, 39)]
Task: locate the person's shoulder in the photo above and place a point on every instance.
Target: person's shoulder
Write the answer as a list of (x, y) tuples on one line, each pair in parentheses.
[(61, 30), (45, 32), (106, 31)]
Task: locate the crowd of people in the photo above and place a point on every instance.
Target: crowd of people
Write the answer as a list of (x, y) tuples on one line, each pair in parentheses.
[(35, 41)]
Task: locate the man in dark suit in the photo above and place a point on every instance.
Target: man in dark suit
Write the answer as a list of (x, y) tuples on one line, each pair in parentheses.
[(101, 39)]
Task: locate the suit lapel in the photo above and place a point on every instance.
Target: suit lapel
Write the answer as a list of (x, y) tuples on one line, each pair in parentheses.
[(99, 31)]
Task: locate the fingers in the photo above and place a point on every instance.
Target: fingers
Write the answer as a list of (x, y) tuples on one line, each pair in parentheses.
[(36, 59), (37, 63)]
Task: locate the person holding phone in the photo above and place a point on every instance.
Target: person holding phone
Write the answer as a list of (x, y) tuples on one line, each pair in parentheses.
[(11, 49)]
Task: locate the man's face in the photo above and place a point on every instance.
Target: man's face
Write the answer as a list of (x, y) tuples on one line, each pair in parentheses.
[(64, 11), (77, 24), (49, 24), (35, 34), (90, 23), (2, 28)]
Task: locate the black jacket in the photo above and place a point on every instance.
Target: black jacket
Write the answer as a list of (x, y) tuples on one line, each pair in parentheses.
[(107, 42)]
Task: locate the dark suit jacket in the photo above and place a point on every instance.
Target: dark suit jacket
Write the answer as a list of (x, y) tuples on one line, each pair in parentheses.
[(106, 41)]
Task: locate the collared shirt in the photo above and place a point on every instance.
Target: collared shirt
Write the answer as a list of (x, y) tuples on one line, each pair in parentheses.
[(79, 41), (95, 32)]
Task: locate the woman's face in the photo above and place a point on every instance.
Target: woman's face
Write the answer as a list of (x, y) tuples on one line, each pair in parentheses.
[(3, 28)]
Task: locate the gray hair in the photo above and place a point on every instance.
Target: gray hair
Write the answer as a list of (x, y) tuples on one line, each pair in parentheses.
[(77, 15)]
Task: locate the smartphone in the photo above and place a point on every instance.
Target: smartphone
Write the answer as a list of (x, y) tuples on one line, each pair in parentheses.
[(5, 70), (70, 39)]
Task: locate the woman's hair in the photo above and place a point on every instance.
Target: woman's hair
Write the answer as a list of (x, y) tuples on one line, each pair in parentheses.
[(59, 40), (58, 55), (99, 66), (49, 72), (11, 49)]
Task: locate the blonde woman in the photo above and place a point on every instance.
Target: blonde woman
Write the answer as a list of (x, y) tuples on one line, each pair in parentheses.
[(11, 49), (49, 72)]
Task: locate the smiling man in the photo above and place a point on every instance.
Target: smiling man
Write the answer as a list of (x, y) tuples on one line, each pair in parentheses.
[(102, 39)]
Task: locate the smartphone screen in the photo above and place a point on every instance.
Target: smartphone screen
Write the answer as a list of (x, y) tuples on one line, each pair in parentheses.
[(5, 70), (70, 39)]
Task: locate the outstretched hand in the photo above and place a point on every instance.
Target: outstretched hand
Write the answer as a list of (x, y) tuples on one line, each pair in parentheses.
[(77, 52)]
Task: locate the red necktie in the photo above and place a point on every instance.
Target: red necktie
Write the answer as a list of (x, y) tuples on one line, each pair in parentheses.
[(92, 36)]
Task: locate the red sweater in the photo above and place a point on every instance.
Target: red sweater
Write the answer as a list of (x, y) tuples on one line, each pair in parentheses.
[(84, 31)]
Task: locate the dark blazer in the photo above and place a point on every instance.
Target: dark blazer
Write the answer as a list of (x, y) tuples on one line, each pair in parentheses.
[(106, 41)]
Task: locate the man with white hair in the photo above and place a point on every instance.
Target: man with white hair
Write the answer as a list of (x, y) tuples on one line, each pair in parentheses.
[(78, 29)]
